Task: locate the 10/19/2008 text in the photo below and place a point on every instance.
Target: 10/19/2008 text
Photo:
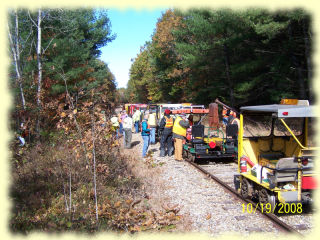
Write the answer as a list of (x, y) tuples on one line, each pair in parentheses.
[(291, 208)]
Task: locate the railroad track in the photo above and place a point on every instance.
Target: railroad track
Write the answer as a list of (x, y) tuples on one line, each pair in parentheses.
[(227, 185)]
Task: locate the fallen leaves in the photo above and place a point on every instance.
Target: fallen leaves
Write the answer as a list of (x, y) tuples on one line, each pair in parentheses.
[(135, 228), (148, 222), (117, 204), (135, 203), (103, 168), (169, 208), (130, 214)]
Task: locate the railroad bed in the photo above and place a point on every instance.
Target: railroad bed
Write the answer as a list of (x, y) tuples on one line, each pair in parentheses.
[(209, 206)]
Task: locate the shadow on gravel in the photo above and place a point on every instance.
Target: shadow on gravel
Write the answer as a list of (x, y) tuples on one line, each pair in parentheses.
[(135, 143), (213, 161)]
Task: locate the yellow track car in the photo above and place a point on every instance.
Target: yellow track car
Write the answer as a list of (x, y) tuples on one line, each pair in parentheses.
[(275, 153)]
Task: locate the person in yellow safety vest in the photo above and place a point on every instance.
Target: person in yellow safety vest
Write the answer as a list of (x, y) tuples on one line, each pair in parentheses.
[(165, 126), (136, 119), (179, 131), (152, 124), (232, 118)]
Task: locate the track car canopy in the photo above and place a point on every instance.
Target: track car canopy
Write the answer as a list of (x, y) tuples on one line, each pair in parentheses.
[(282, 110)]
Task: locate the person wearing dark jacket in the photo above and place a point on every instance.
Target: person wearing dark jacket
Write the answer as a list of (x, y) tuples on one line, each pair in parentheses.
[(232, 118), (165, 126), (179, 134)]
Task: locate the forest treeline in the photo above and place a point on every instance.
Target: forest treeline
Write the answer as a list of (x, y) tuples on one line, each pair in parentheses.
[(66, 175), (55, 54), (245, 57)]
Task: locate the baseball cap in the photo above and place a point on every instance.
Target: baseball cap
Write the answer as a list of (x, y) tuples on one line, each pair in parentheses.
[(167, 111)]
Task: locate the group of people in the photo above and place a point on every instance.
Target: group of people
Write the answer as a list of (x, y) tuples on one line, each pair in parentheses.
[(146, 121), (230, 117), (122, 126), (173, 130)]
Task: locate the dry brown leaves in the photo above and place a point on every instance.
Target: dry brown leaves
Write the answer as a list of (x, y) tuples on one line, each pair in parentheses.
[(133, 215)]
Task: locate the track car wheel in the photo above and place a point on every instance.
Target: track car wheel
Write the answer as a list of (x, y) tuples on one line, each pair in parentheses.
[(191, 157), (184, 154), (266, 197), (263, 196), (245, 189)]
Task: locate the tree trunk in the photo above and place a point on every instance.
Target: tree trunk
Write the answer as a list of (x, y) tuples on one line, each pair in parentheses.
[(230, 83), (16, 56), (70, 193), (39, 72), (94, 165)]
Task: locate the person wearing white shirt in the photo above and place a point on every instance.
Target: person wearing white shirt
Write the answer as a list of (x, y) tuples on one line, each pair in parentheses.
[(152, 124), (115, 124), (127, 127)]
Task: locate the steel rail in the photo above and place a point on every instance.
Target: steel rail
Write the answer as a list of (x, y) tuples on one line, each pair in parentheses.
[(270, 216)]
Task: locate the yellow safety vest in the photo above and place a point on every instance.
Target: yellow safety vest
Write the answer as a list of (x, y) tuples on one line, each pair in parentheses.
[(169, 122), (178, 129)]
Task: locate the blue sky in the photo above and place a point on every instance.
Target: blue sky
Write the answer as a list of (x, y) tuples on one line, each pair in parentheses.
[(133, 28)]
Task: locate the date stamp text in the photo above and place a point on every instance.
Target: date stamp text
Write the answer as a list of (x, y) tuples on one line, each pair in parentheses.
[(291, 208)]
